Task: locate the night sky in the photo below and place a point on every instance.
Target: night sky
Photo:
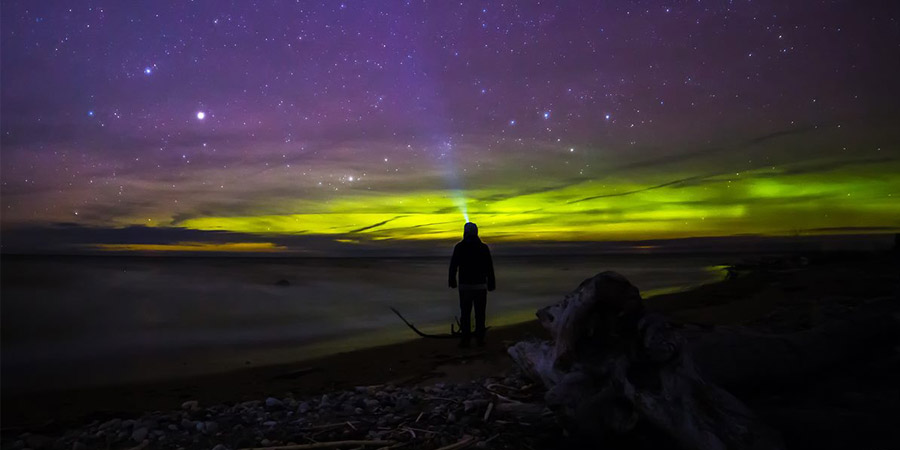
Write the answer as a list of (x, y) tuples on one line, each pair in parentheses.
[(251, 126)]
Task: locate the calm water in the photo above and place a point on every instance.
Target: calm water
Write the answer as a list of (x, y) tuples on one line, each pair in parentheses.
[(81, 321)]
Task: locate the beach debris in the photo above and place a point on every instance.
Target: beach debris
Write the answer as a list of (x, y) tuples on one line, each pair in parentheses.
[(427, 417), (463, 443), (612, 365), (487, 412), (318, 445), (455, 332)]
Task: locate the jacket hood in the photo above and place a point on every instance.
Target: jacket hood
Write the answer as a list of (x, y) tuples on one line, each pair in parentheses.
[(470, 232)]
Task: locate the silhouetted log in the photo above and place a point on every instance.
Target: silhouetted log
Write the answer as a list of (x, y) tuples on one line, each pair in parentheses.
[(454, 333), (612, 366)]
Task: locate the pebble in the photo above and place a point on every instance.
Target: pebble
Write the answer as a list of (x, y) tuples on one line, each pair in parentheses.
[(139, 434), (190, 405), (207, 427), (112, 423), (220, 447), (303, 408), (402, 403), (273, 402), (469, 405)]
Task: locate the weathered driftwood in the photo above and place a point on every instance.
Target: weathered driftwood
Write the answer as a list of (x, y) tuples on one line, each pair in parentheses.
[(455, 333), (612, 367)]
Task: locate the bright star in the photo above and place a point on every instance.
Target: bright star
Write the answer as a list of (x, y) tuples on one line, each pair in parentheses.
[(546, 114), (201, 115), (512, 122), (607, 117), (148, 70), (91, 113)]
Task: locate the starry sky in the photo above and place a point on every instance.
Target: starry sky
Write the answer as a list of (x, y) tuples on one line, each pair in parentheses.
[(268, 126)]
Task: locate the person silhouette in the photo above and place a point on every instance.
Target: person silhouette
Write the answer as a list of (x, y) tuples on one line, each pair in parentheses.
[(476, 276)]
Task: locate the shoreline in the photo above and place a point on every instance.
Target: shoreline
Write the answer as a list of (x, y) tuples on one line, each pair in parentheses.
[(768, 296), (413, 360), (74, 333)]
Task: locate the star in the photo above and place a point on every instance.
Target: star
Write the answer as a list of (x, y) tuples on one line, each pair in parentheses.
[(201, 115), (148, 70)]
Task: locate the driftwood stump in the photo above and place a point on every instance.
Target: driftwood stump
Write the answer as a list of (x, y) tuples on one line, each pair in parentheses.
[(612, 367)]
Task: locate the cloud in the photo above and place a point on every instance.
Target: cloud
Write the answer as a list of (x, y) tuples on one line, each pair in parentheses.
[(376, 225), (635, 191)]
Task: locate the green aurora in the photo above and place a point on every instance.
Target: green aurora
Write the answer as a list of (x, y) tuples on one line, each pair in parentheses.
[(861, 197)]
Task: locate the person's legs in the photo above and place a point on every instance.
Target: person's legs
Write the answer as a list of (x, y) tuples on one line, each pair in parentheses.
[(480, 303), (465, 314)]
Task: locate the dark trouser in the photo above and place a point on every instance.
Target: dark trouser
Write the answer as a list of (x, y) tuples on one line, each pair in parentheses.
[(467, 299)]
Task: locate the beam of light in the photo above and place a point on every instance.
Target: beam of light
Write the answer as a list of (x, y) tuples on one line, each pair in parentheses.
[(452, 177), (460, 200)]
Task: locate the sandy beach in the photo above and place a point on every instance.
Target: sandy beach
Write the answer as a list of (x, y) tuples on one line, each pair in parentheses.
[(768, 295)]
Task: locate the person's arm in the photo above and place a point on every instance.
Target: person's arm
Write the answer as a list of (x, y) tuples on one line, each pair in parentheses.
[(491, 282), (454, 264)]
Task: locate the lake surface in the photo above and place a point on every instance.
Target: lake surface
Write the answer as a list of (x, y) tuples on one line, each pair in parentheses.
[(80, 321)]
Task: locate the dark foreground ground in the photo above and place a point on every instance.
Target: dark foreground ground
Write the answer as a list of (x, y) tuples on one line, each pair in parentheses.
[(429, 394)]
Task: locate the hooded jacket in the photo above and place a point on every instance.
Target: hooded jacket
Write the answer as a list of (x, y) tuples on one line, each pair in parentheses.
[(473, 259)]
